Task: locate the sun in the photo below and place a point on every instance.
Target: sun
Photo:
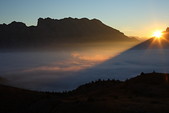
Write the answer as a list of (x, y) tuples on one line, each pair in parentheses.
[(157, 34)]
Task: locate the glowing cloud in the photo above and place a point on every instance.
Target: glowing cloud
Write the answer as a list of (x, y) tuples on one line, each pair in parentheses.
[(94, 58)]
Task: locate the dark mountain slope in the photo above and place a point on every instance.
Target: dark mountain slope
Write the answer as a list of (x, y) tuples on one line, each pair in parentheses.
[(146, 93), (53, 32)]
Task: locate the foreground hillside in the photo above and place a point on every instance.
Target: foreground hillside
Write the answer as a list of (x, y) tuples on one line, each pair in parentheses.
[(146, 93)]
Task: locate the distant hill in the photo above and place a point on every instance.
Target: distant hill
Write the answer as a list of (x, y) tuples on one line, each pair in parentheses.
[(53, 32), (146, 93)]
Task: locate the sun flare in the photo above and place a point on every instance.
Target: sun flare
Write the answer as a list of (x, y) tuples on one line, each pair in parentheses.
[(157, 34)]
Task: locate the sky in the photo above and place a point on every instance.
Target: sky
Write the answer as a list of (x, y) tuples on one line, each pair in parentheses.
[(132, 17)]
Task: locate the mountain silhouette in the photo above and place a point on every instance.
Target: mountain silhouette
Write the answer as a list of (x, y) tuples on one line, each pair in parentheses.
[(145, 93), (53, 32)]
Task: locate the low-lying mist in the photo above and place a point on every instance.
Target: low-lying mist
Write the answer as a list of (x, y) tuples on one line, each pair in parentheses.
[(66, 69)]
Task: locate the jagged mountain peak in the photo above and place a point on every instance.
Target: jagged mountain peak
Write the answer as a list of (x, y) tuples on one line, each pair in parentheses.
[(59, 31)]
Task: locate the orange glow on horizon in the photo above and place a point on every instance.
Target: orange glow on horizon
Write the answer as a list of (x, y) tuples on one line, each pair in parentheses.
[(97, 57), (157, 34), (159, 40)]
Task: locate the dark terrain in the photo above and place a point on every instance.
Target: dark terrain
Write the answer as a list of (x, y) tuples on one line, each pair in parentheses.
[(146, 93), (52, 33)]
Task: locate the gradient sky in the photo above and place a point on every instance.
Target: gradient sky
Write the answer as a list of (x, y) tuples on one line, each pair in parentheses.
[(133, 17)]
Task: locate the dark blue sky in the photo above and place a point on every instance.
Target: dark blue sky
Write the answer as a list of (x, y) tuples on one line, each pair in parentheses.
[(133, 17)]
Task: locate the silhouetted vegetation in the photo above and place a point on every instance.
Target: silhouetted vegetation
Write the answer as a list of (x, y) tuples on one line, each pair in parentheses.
[(146, 93)]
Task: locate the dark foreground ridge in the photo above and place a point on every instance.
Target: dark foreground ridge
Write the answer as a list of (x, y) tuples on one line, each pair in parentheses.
[(146, 93), (54, 32)]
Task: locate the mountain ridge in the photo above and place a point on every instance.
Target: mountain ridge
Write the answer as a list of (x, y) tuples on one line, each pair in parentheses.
[(56, 32)]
